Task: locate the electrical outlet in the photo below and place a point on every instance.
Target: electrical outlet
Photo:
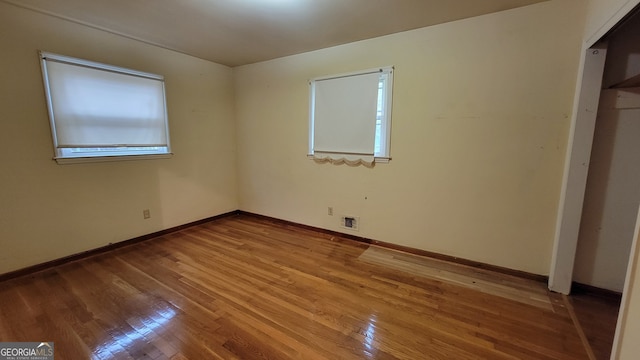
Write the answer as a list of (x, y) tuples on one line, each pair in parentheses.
[(330, 211), (146, 213)]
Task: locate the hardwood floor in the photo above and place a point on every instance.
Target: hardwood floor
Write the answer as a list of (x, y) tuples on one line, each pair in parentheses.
[(597, 315), (243, 287)]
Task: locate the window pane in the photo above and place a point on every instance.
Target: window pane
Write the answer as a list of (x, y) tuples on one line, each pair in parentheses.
[(112, 151), (379, 115)]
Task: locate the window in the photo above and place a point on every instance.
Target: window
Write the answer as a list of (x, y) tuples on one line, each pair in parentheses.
[(101, 112), (350, 117)]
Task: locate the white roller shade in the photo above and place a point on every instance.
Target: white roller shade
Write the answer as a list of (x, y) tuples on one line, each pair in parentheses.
[(103, 108), (344, 115)]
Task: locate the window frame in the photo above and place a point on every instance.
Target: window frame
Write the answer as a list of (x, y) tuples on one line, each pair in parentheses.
[(386, 74), (65, 155)]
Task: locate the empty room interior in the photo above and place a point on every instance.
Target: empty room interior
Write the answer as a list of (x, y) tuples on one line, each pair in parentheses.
[(307, 179)]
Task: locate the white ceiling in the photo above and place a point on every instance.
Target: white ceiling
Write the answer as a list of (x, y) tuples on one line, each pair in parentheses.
[(238, 32)]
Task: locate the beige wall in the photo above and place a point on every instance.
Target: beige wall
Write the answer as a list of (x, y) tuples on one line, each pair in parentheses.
[(48, 211), (480, 120)]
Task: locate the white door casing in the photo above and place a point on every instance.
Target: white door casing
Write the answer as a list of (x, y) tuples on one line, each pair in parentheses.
[(576, 168)]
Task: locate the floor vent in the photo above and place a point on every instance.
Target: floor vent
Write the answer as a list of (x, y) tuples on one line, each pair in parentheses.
[(350, 222)]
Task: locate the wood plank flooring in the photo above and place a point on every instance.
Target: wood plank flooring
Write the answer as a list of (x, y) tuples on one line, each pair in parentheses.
[(517, 289), (243, 287), (597, 315)]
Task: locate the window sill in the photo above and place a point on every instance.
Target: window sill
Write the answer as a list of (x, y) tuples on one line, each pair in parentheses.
[(96, 159), (379, 160)]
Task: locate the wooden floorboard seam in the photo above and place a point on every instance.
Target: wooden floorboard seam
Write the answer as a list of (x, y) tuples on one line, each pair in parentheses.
[(576, 322)]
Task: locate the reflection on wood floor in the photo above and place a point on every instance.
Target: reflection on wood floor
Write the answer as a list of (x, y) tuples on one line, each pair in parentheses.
[(525, 291), (244, 287)]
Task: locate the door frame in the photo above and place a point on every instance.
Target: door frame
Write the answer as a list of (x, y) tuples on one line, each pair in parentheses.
[(576, 167), (578, 153)]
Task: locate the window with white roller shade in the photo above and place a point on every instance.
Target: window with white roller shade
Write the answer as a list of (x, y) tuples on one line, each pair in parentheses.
[(99, 110), (350, 116)]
